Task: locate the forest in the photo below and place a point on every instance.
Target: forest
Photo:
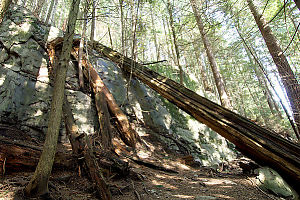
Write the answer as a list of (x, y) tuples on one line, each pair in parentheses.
[(202, 95)]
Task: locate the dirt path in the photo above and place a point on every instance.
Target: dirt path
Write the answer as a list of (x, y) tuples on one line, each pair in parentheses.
[(189, 183)]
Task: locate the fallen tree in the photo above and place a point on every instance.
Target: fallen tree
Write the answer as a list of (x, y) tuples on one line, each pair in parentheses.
[(262, 145)]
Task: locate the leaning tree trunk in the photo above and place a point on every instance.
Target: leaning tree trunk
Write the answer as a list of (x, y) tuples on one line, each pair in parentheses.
[(224, 97), (262, 145), (3, 8), (288, 78), (169, 7), (38, 184)]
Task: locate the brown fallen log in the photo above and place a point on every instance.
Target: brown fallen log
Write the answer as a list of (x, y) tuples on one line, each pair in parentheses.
[(262, 145), (82, 147), (19, 156), (128, 134)]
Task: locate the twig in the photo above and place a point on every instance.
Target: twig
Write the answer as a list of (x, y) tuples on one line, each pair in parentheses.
[(151, 63)]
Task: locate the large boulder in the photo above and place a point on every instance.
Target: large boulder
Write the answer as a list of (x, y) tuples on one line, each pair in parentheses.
[(270, 181)]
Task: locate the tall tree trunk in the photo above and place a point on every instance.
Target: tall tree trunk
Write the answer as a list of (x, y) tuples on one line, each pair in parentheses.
[(202, 72), (38, 184), (287, 76), (49, 14), (224, 97), (170, 11), (38, 7), (167, 40), (154, 34), (93, 26), (122, 27), (81, 46), (3, 8)]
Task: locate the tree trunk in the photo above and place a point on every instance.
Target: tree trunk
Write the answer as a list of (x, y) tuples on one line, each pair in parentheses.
[(202, 72), (49, 14), (224, 97), (128, 135), (38, 8), (170, 11), (81, 145), (93, 25), (288, 78), (81, 46), (38, 184), (262, 145), (3, 8), (154, 34)]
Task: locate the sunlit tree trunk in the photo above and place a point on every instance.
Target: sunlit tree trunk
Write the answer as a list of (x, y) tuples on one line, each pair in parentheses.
[(3, 8), (49, 14), (287, 76), (122, 27), (224, 97), (154, 35), (93, 27), (81, 46), (170, 11), (38, 184), (202, 71), (38, 7)]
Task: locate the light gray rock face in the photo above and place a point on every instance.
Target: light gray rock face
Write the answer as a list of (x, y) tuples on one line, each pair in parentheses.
[(270, 181), (25, 89), (25, 94), (161, 118)]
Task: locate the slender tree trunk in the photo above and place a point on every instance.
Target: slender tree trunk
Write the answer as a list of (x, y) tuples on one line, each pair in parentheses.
[(170, 11), (49, 14), (38, 184), (288, 78), (202, 72), (3, 8), (38, 8), (154, 34), (122, 27), (167, 40), (224, 97), (93, 26), (81, 46)]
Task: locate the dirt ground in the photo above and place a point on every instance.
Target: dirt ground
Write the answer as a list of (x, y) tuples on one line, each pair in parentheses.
[(146, 184)]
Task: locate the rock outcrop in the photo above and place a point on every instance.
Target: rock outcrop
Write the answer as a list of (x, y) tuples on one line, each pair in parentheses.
[(25, 94)]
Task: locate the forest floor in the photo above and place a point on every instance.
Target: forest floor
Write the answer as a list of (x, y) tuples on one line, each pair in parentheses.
[(188, 183)]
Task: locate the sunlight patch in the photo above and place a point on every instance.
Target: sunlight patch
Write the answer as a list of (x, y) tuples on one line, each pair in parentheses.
[(184, 196)]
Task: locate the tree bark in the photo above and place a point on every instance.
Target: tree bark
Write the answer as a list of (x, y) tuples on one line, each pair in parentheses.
[(81, 146), (154, 35), (49, 14), (93, 25), (3, 8), (38, 8), (22, 156), (128, 135), (223, 95), (260, 144), (38, 184), (170, 11), (81, 46), (288, 78)]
